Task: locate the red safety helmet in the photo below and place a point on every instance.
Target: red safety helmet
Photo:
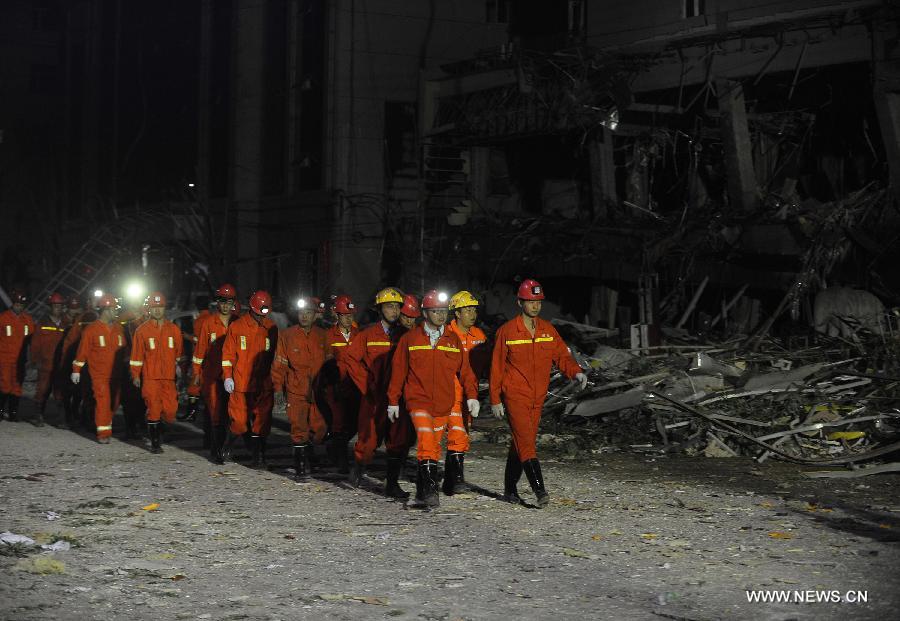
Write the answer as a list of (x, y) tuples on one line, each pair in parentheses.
[(156, 300), (226, 292), (318, 304), (74, 303), (436, 300), (531, 289), (107, 300), (261, 302), (343, 305), (410, 306), (18, 297), (56, 298)]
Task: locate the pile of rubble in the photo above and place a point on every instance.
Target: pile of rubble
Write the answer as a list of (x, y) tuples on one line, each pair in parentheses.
[(837, 402)]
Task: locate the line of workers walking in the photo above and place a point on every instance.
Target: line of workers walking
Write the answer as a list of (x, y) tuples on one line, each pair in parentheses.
[(410, 377)]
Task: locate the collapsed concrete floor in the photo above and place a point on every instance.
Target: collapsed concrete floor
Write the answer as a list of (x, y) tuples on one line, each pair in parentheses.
[(626, 536)]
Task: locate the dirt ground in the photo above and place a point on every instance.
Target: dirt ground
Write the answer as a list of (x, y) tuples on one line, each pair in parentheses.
[(626, 536)]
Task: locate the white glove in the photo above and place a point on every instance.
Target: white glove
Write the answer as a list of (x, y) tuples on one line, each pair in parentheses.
[(498, 411), (581, 377), (229, 385), (75, 377), (474, 407), (393, 412)]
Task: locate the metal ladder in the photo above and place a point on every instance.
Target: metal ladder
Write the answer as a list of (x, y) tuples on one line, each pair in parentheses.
[(88, 264)]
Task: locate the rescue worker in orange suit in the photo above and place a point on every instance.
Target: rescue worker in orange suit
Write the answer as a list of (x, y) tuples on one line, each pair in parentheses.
[(464, 307), (321, 309), (299, 356), (247, 354), (194, 388), (45, 347), (409, 312), (427, 364), (133, 406), (99, 350), (207, 367), (341, 394), (367, 363), (72, 394), (156, 352), (16, 328), (524, 350)]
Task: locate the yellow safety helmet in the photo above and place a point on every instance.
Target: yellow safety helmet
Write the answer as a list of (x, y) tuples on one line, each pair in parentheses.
[(388, 294), (462, 299)]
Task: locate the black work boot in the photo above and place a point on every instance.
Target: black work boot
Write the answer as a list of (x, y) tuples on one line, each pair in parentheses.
[(227, 452), (357, 472), (190, 411), (454, 473), (419, 501), (450, 474), (532, 469), (14, 408), (301, 462), (392, 487), (511, 477), (340, 453), (215, 445), (258, 451), (39, 417), (430, 484), (155, 442)]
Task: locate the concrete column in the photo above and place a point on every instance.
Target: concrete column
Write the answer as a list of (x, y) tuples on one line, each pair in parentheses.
[(742, 189), (603, 173), (246, 165)]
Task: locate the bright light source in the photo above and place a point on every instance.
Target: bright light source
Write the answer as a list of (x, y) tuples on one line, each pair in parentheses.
[(134, 291), (190, 185), (98, 293), (301, 304), (442, 297)]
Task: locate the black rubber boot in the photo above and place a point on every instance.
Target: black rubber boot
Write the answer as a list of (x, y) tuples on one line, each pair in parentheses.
[(357, 472), (338, 450), (532, 469), (227, 452), (454, 476), (392, 487), (190, 411), (155, 442), (258, 451), (39, 417), (449, 474), (301, 462), (511, 477), (419, 501), (430, 484), (13, 408), (215, 446)]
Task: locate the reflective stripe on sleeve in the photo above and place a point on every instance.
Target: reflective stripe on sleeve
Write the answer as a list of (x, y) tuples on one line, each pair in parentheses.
[(226, 363), (197, 360), (104, 428), (78, 363), (136, 363)]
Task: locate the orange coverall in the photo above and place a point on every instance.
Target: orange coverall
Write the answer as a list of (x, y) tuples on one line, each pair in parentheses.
[(460, 419), (247, 359), (155, 351), (45, 351), (367, 363), (207, 360), (99, 350), (14, 330), (341, 393), (202, 317), (298, 359), (520, 374), (427, 378), (71, 340)]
